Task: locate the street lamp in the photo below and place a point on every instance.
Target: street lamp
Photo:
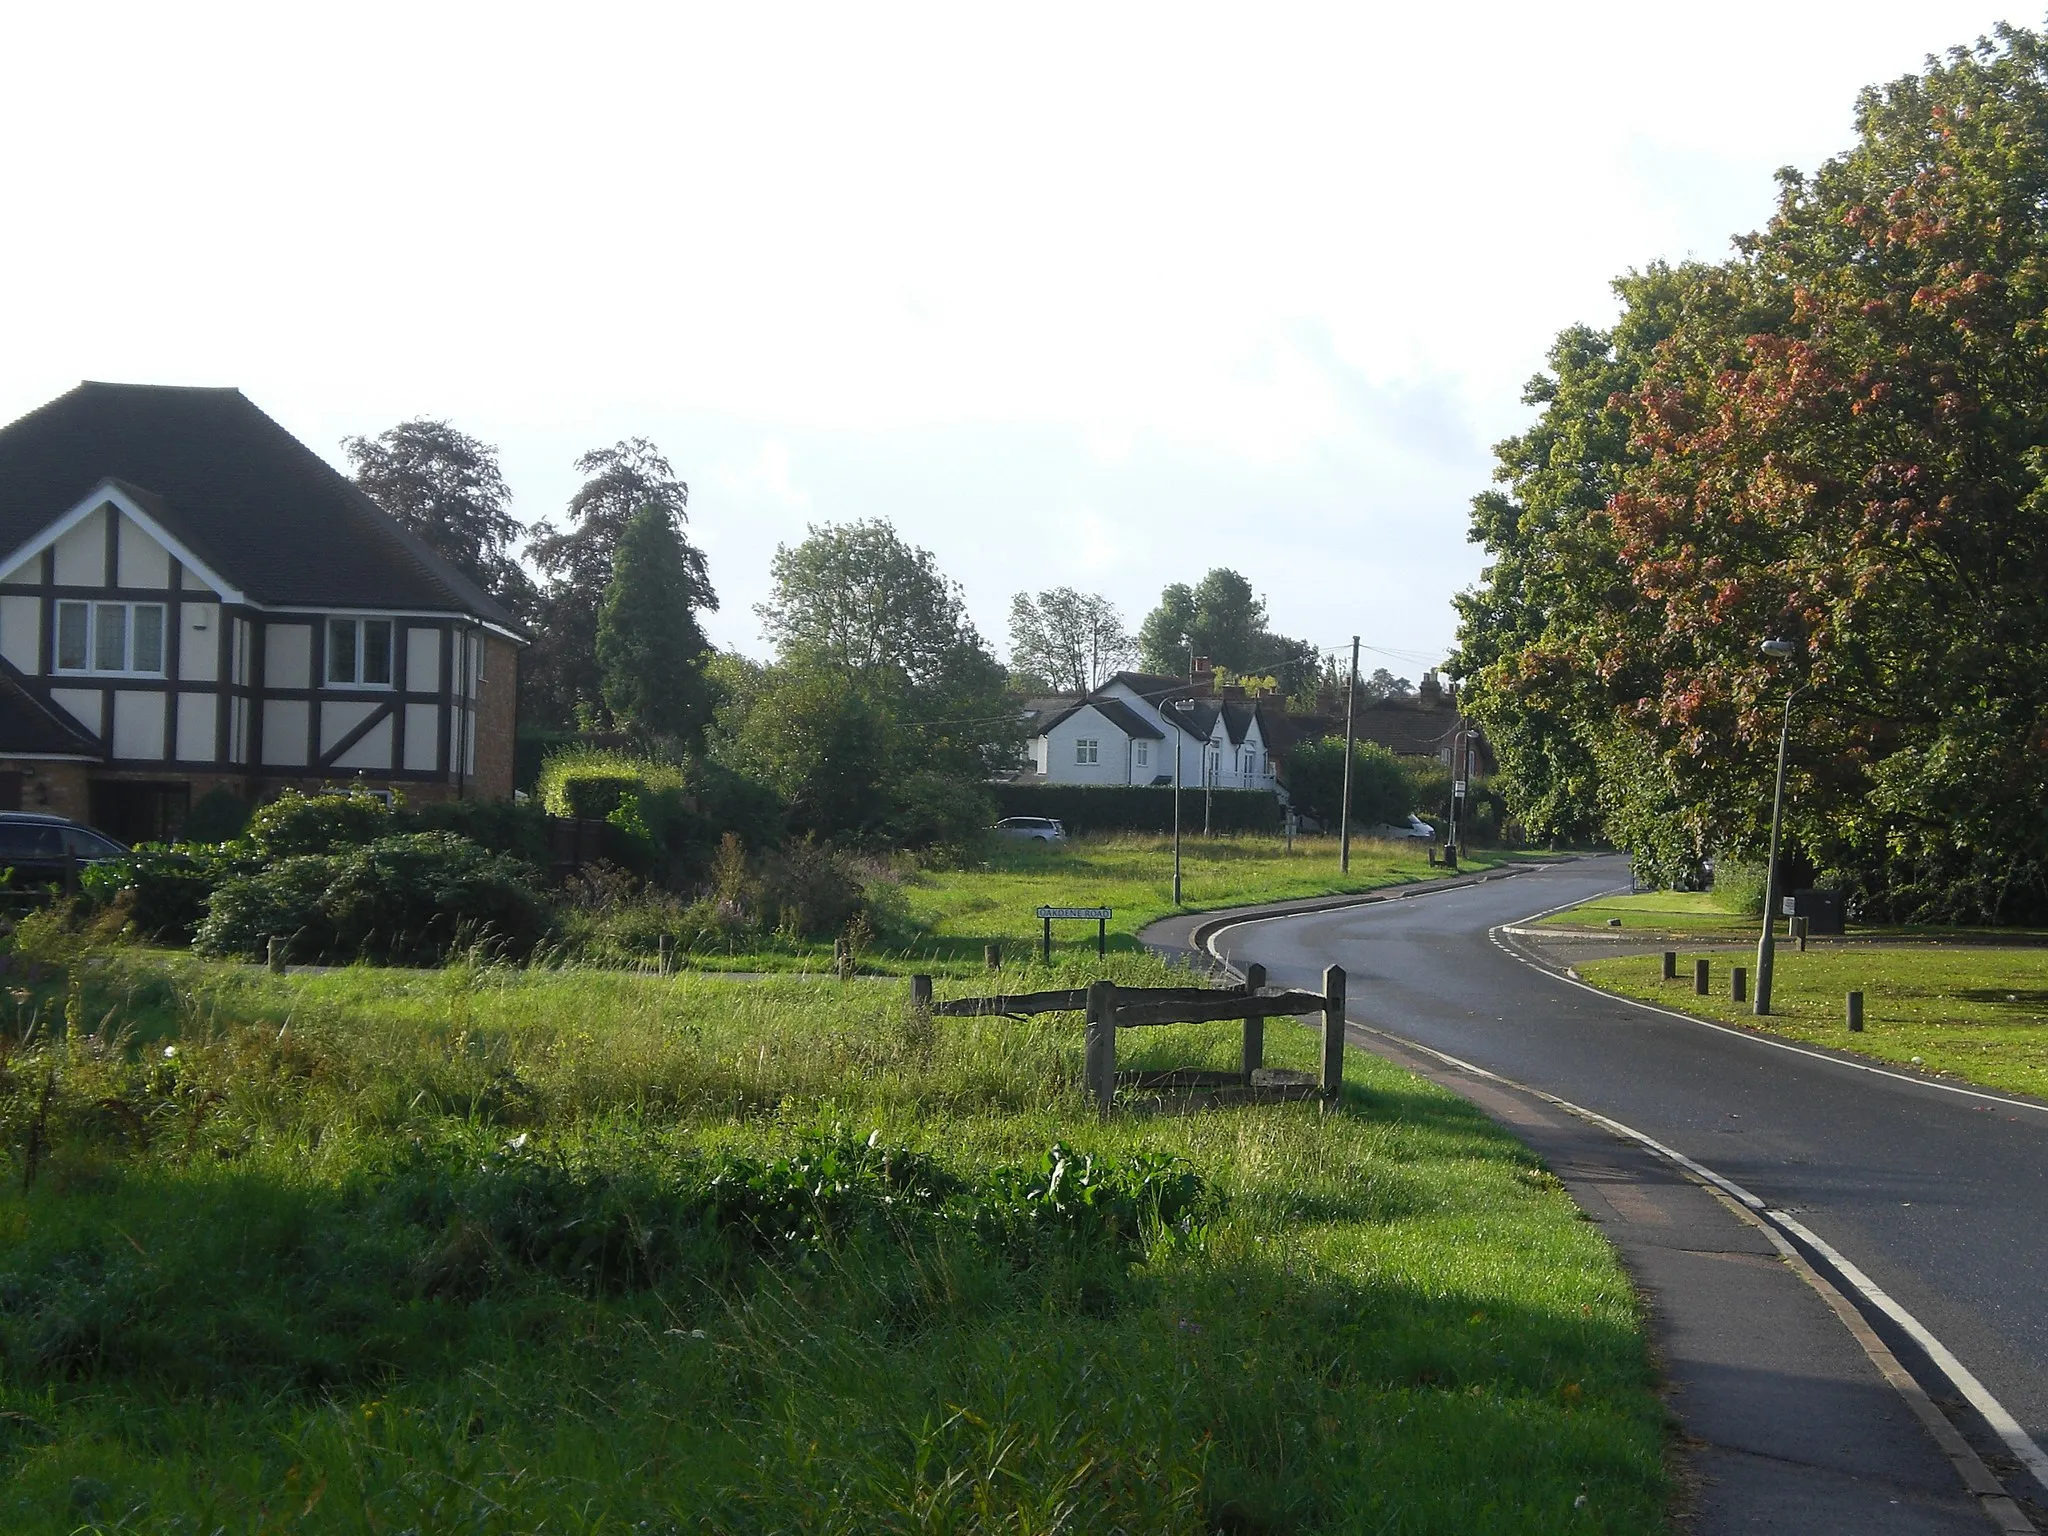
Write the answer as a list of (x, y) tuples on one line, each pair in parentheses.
[(1767, 943), (1179, 707)]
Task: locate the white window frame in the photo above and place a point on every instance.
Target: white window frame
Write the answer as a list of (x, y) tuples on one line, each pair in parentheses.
[(1143, 750), (360, 620), (93, 609), (1087, 751)]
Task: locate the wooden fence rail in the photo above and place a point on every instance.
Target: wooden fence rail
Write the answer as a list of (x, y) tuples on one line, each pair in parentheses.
[(1109, 1008)]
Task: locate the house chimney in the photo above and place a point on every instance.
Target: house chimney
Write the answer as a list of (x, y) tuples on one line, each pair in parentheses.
[(1202, 675)]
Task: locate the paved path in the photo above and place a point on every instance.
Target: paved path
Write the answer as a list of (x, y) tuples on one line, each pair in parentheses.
[(1939, 1199)]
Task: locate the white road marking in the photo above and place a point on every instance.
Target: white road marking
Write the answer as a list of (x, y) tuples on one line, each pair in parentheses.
[(1995, 1413)]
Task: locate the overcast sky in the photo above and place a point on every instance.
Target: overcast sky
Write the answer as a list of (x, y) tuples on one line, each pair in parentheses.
[(1091, 295)]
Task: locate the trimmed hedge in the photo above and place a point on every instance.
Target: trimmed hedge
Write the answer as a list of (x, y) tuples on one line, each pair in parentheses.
[(1139, 808)]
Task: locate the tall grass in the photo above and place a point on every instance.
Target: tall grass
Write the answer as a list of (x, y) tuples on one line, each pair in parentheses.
[(261, 1278)]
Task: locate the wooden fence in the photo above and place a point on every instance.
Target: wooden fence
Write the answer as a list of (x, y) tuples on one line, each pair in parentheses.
[(1110, 1008)]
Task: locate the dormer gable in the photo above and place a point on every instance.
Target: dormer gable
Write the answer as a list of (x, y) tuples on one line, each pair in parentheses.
[(113, 538)]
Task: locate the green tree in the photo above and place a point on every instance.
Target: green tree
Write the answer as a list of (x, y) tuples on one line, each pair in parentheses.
[(445, 486), (1382, 788), (856, 601), (1073, 640), (1221, 618), (648, 644), (562, 669), (1835, 440), (823, 746)]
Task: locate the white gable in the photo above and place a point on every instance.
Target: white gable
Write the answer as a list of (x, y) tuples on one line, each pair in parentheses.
[(80, 538)]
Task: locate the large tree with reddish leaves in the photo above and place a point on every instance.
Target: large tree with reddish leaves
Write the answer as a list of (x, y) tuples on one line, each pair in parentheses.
[(1843, 440)]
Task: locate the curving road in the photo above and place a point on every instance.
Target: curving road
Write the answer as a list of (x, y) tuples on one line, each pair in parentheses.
[(1940, 1199)]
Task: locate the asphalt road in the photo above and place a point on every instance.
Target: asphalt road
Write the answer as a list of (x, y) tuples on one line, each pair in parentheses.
[(1941, 1200)]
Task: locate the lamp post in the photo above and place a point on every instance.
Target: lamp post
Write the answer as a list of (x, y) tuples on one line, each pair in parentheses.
[(1179, 707), (1767, 942), (1461, 776)]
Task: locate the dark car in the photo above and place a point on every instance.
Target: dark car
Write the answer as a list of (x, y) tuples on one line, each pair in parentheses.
[(45, 850)]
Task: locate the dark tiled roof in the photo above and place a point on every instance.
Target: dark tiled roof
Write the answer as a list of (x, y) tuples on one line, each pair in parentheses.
[(271, 515), (30, 727), (1405, 727), (1115, 711)]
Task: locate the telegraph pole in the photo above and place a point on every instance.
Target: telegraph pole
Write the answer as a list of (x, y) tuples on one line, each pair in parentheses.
[(1350, 709)]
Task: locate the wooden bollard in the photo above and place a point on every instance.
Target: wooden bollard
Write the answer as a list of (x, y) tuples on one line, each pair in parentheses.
[(921, 993), (665, 954), (1333, 1033), (1738, 985), (1254, 1029), (1855, 1013), (273, 955), (1671, 965), (992, 956), (1700, 985), (842, 959), (1799, 927), (1099, 1053)]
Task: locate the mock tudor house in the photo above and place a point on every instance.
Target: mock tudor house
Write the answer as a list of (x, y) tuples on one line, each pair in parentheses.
[(190, 598), (1129, 730)]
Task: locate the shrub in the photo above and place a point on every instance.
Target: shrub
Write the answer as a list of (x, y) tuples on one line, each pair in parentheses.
[(502, 826), (586, 781), (1739, 886), (809, 891), (1383, 789), (162, 891), (405, 900), (217, 816), (939, 808), (294, 823)]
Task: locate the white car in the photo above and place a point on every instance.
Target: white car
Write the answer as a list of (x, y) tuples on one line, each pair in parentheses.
[(1032, 829), (1416, 827)]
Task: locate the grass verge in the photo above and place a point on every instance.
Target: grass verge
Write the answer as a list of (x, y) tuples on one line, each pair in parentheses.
[(1680, 914), (505, 1250), (1969, 1011), (957, 912)]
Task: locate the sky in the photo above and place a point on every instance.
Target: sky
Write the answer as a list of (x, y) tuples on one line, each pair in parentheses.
[(1097, 296)]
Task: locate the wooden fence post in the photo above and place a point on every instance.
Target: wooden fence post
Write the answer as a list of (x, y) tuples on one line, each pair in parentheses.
[(992, 956), (1671, 965), (273, 954), (1856, 1012), (1333, 1033), (1700, 985), (1100, 1051), (1738, 985), (665, 953), (842, 959), (921, 993), (1254, 1029), (1799, 927)]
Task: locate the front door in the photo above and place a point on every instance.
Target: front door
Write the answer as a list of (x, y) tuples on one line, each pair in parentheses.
[(140, 811)]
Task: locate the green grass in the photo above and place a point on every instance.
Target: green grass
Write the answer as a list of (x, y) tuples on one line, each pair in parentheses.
[(1691, 914), (957, 912), (264, 1282), (1968, 1011)]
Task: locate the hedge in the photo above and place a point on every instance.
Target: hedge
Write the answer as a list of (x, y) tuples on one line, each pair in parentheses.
[(1140, 808)]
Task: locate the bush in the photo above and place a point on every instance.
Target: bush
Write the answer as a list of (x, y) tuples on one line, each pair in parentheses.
[(1139, 808), (1739, 886), (1383, 789), (587, 781), (218, 816), (808, 891), (294, 823), (162, 892), (403, 900), (502, 826), (939, 809)]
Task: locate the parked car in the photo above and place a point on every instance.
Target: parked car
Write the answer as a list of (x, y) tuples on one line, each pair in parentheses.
[(1415, 827), (44, 850), (1032, 829)]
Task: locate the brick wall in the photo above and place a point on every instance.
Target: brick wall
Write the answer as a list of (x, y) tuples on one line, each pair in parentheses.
[(496, 719), (56, 787)]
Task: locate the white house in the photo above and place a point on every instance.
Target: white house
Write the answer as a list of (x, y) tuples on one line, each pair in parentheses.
[(1129, 730)]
